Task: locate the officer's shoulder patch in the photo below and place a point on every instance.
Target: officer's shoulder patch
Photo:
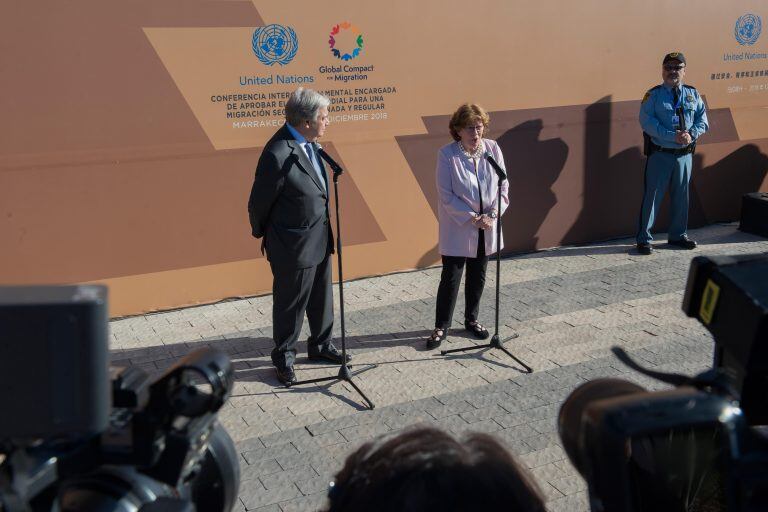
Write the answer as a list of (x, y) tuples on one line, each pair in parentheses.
[(648, 94)]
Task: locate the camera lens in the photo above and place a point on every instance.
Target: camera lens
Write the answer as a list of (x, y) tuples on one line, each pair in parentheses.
[(570, 420)]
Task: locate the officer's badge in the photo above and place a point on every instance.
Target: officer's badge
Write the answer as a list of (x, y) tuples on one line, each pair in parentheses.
[(674, 54), (689, 98)]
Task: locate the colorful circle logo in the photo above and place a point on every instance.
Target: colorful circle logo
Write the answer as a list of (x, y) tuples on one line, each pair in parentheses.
[(275, 43), (346, 53), (747, 29)]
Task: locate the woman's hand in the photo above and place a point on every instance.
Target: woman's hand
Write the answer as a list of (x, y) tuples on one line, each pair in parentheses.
[(483, 222)]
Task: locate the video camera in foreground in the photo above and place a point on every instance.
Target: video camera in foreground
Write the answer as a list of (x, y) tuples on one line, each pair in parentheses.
[(703, 445), (64, 447)]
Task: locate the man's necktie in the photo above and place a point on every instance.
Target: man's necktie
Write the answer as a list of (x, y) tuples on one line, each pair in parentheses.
[(678, 109), (312, 152)]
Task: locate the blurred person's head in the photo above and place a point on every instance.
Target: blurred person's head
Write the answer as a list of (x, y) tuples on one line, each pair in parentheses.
[(428, 469)]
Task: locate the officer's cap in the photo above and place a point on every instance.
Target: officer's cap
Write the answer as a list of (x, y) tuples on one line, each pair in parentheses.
[(678, 56)]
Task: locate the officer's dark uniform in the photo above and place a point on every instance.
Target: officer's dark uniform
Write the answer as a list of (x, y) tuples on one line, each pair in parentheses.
[(669, 163)]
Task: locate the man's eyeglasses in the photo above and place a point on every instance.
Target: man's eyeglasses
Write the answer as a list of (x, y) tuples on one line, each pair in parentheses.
[(673, 68)]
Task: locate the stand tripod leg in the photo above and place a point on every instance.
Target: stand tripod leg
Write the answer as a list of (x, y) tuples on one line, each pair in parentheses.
[(500, 345), (344, 373), (464, 349), (495, 343), (359, 391)]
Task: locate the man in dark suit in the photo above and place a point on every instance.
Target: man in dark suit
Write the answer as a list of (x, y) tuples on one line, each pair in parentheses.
[(288, 207)]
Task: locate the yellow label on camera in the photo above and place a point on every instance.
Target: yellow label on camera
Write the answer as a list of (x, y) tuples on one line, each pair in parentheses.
[(709, 302)]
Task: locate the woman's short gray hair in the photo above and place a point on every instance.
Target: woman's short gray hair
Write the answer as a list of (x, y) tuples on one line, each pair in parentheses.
[(303, 105)]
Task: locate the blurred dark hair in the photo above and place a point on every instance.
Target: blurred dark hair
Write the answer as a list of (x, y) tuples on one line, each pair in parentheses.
[(428, 469)]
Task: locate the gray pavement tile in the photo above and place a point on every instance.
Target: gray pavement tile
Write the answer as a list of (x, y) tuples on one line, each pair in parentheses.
[(569, 485), (260, 498), (272, 452), (364, 432), (278, 438), (439, 410), (524, 402), (288, 477), (577, 502), (299, 459), (314, 485), (518, 431), (452, 423), (269, 508), (550, 472), (541, 441), (485, 426), (331, 425), (545, 426), (311, 503), (329, 438), (543, 456), (550, 492), (485, 413), (259, 468), (407, 420)]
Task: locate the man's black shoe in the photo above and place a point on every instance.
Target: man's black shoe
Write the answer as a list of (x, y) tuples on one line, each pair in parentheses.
[(329, 353), (286, 375), (644, 249), (684, 242)]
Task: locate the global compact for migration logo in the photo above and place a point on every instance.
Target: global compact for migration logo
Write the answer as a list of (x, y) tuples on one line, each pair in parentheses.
[(747, 29), (350, 50), (275, 44)]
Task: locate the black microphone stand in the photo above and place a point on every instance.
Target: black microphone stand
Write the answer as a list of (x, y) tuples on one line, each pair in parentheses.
[(495, 340), (344, 373)]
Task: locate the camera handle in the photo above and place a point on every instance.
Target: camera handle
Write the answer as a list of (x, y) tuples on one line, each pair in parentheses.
[(717, 378), (175, 391)]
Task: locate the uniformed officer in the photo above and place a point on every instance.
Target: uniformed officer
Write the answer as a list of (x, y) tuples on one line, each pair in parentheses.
[(673, 117)]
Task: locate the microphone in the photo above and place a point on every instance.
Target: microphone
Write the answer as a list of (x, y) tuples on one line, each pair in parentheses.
[(499, 171), (336, 167)]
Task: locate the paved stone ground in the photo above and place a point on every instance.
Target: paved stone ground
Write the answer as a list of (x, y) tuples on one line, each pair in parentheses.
[(569, 305)]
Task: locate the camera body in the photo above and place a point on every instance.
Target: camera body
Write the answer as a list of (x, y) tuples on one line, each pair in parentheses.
[(156, 446), (702, 445)]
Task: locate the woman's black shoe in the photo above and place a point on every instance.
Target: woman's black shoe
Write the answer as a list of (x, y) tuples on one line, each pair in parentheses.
[(436, 338), (477, 330)]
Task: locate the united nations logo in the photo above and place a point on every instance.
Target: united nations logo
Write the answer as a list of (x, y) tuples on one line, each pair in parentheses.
[(747, 29), (275, 43), (350, 53)]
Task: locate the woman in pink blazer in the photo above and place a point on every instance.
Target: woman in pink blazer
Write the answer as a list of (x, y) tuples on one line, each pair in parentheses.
[(467, 214)]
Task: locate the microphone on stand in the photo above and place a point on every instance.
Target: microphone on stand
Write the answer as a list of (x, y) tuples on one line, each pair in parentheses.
[(496, 341), (325, 156), (499, 171)]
